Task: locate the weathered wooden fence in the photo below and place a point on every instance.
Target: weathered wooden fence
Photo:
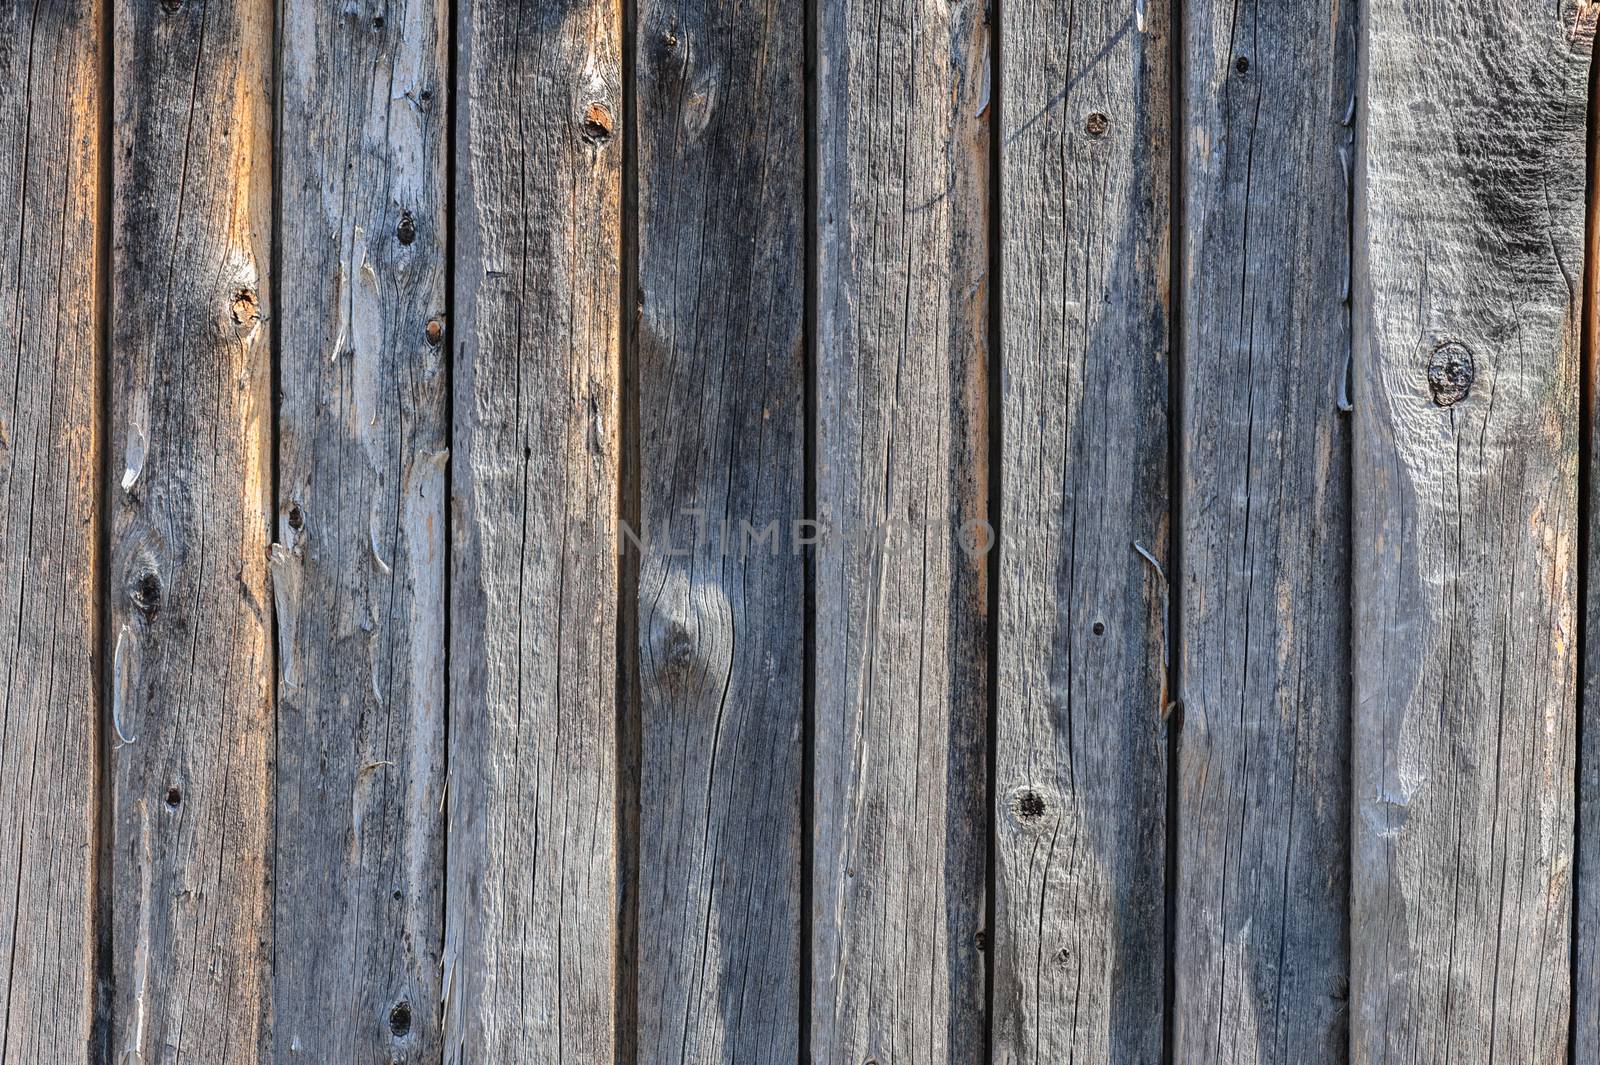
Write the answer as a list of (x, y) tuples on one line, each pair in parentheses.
[(868, 532)]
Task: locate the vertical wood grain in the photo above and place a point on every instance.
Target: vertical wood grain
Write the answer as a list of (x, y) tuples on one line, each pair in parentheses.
[(721, 634), (1080, 756), (901, 654), (1261, 963), (51, 385), (530, 962), (190, 511), (1470, 210), (358, 569)]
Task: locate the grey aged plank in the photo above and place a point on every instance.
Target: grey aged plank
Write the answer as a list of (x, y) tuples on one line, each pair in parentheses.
[(1261, 963), (720, 625), (1470, 203), (50, 447), (1080, 758), (901, 657), (358, 572), (530, 964), (190, 510)]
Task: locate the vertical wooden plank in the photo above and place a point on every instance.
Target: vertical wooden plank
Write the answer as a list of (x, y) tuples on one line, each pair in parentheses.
[(1080, 756), (50, 394), (901, 673), (531, 891), (1470, 213), (1261, 963), (721, 269), (190, 512), (358, 571), (1586, 869)]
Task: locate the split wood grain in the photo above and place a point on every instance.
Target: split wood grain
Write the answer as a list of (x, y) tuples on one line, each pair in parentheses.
[(1080, 758), (1470, 200), (901, 675), (1261, 962), (531, 928), (721, 616), (50, 449), (359, 565), (190, 510)]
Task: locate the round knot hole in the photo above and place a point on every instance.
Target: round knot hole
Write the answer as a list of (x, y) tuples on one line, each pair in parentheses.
[(1450, 374)]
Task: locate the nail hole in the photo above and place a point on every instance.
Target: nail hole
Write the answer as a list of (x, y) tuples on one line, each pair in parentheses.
[(1099, 628), (400, 1019), (1097, 123)]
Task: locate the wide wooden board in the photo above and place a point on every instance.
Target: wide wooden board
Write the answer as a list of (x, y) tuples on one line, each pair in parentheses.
[(1080, 759), (901, 666), (190, 504), (720, 617), (1469, 215), (51, 390), (1261, 966), (359, 563), (531, 931)]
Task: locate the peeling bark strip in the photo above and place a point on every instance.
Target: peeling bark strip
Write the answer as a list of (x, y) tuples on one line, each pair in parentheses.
[(721, 283), (359, 573), (50, 388), (190, 435), (1261, 966), (532, 886), (1080, 760), (901, 677), (1471, 196)]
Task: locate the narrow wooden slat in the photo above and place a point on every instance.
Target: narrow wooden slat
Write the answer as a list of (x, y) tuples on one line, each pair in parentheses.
[(190, 511), (50, 394), (900, 670), (1080, 756), (721, 634), (1586, 869), (532, 884), (1470, 208), (1261, 964), (358, 572)]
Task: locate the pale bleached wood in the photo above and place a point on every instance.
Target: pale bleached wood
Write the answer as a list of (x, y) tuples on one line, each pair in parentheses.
[(189, 639), (1080, 756), (1469, 209), (720, 625), (531, 929), (901, 657), (1261, 964), (50, 395), (360, 563)]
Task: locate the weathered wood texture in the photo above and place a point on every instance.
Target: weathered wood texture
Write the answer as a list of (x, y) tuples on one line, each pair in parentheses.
[(191, 456), (1261, 964), (1469, 198), (1080, 756), (358, 571), (901, 662), (50, 394), (530, 922), (720, 625)]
